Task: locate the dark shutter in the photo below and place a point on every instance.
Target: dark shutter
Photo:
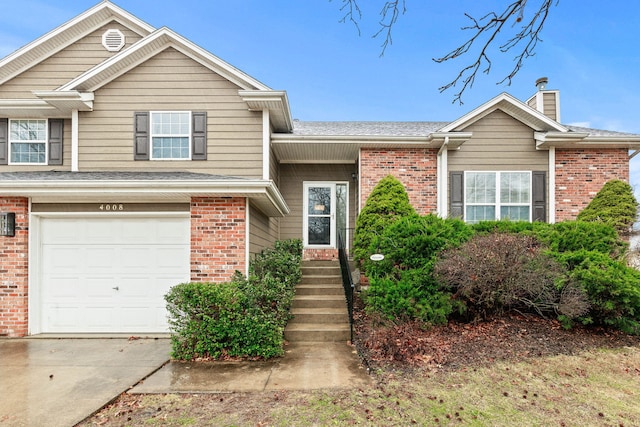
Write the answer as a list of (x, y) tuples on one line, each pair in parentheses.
[(141, 136), (539, 196), (199, 136), (4, 141), (56, 133), (456, 195)]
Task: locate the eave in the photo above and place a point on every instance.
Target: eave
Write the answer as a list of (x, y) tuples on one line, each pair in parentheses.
[(291, 148), (67, 34), (150, 46), (276, 102), (545, 140), (263, 194)]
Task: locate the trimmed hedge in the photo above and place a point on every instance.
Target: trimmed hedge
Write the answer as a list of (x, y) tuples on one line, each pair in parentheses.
[(242, 318)]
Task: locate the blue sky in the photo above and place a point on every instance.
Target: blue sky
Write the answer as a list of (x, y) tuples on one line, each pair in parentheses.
[(589, 52)]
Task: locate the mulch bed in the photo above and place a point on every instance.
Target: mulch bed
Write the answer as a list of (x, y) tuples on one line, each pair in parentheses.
[(455, 346)]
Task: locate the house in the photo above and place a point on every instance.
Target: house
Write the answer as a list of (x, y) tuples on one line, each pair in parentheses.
[(131, 160)]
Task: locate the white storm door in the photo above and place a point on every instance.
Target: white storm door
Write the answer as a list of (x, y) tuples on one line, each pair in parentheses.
[(319, 215)]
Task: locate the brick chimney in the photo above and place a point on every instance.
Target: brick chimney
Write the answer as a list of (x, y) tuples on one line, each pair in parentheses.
[(546, 101)]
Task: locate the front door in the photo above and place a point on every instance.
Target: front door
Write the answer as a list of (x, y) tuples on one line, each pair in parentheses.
[(325, 213)]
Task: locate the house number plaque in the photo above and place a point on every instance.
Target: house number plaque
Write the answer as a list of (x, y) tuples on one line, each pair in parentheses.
[(111, 207)]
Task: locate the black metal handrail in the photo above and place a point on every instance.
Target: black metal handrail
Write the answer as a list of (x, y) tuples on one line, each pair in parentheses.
[(347, 281)]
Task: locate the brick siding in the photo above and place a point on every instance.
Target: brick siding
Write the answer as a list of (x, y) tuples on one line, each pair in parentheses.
[(14, 270), (218, 238), (580, 174), (415, 168)]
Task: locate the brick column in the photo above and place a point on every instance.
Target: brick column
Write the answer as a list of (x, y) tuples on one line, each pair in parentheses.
[(14, 271), (580, 174), (415, 168), (218, 238)]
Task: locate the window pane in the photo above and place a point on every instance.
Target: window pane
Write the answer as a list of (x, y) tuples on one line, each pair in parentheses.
[(170, 148), (319, 231), (319, 201), (28, 153), (514, 187), (475, 214), (480, 187), (514, 213)]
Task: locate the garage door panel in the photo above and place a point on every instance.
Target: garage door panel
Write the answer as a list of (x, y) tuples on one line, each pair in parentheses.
[(112, 277)]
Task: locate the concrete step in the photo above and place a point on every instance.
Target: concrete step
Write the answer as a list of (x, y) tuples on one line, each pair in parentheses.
[(319, 301), (317, 332), (320, 271), (320, 263), (319, 290), (320, 315), (309, 279)]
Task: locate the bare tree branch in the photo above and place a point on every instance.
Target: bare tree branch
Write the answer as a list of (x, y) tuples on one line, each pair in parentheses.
[(486, 29), (485, 32), (350, 8), (390, 13)]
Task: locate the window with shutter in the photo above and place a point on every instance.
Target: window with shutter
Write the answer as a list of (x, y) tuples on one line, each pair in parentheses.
[(479, 196), (170, 135)]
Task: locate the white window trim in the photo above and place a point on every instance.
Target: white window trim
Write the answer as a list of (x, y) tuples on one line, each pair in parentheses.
[(497, 205), (152, 135), (46, 143)]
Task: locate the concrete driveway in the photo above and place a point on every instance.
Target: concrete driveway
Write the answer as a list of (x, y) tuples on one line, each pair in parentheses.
[(59, 382)]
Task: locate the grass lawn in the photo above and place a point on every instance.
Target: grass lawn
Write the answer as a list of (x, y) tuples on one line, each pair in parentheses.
[(597, 387)]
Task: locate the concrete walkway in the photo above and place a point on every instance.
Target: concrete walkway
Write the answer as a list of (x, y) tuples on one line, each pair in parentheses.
[(305, 366), (59, 382)]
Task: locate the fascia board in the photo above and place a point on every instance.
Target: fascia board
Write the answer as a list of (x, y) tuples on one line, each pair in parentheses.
[(503, 100), (55, 40), (584, 140), (148, 47), (265, 193), (276, 101)]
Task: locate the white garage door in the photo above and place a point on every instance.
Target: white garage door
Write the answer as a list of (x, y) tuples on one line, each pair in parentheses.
[(110, 275)]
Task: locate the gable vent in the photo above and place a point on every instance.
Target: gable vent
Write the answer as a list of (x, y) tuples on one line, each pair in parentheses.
[(113, 40)]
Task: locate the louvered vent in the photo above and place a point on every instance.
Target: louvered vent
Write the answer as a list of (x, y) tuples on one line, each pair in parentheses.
[(113, 40)]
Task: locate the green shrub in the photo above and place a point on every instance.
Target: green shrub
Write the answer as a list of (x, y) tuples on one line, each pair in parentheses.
[(412, 242), (612, 287), (614, 205), (499, 272), (244, 317), (412, 295), (387, 202), (569, 236), (402, 285)]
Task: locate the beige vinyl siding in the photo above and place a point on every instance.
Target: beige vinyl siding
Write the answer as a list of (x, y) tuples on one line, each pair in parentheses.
[(65, 65), (263, 231), (292, 177), (170, 81), (499, 143), (533, 102), (549, 100), (274, 170)]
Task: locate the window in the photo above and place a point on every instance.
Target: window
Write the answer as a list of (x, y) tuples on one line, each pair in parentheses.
[(170, 135), (497, 195), (28, 141)]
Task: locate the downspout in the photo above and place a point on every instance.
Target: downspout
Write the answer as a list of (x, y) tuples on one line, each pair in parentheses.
[(74, 141), (552, 185), (247, 233), (266, 143), (442, 178)]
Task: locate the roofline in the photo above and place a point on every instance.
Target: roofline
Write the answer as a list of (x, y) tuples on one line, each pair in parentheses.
[(263, 192), (494, 104), (585, 140), (118, 13), (165, 38)]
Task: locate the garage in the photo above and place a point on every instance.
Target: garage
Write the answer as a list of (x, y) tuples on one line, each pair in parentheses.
[(110, 275)]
